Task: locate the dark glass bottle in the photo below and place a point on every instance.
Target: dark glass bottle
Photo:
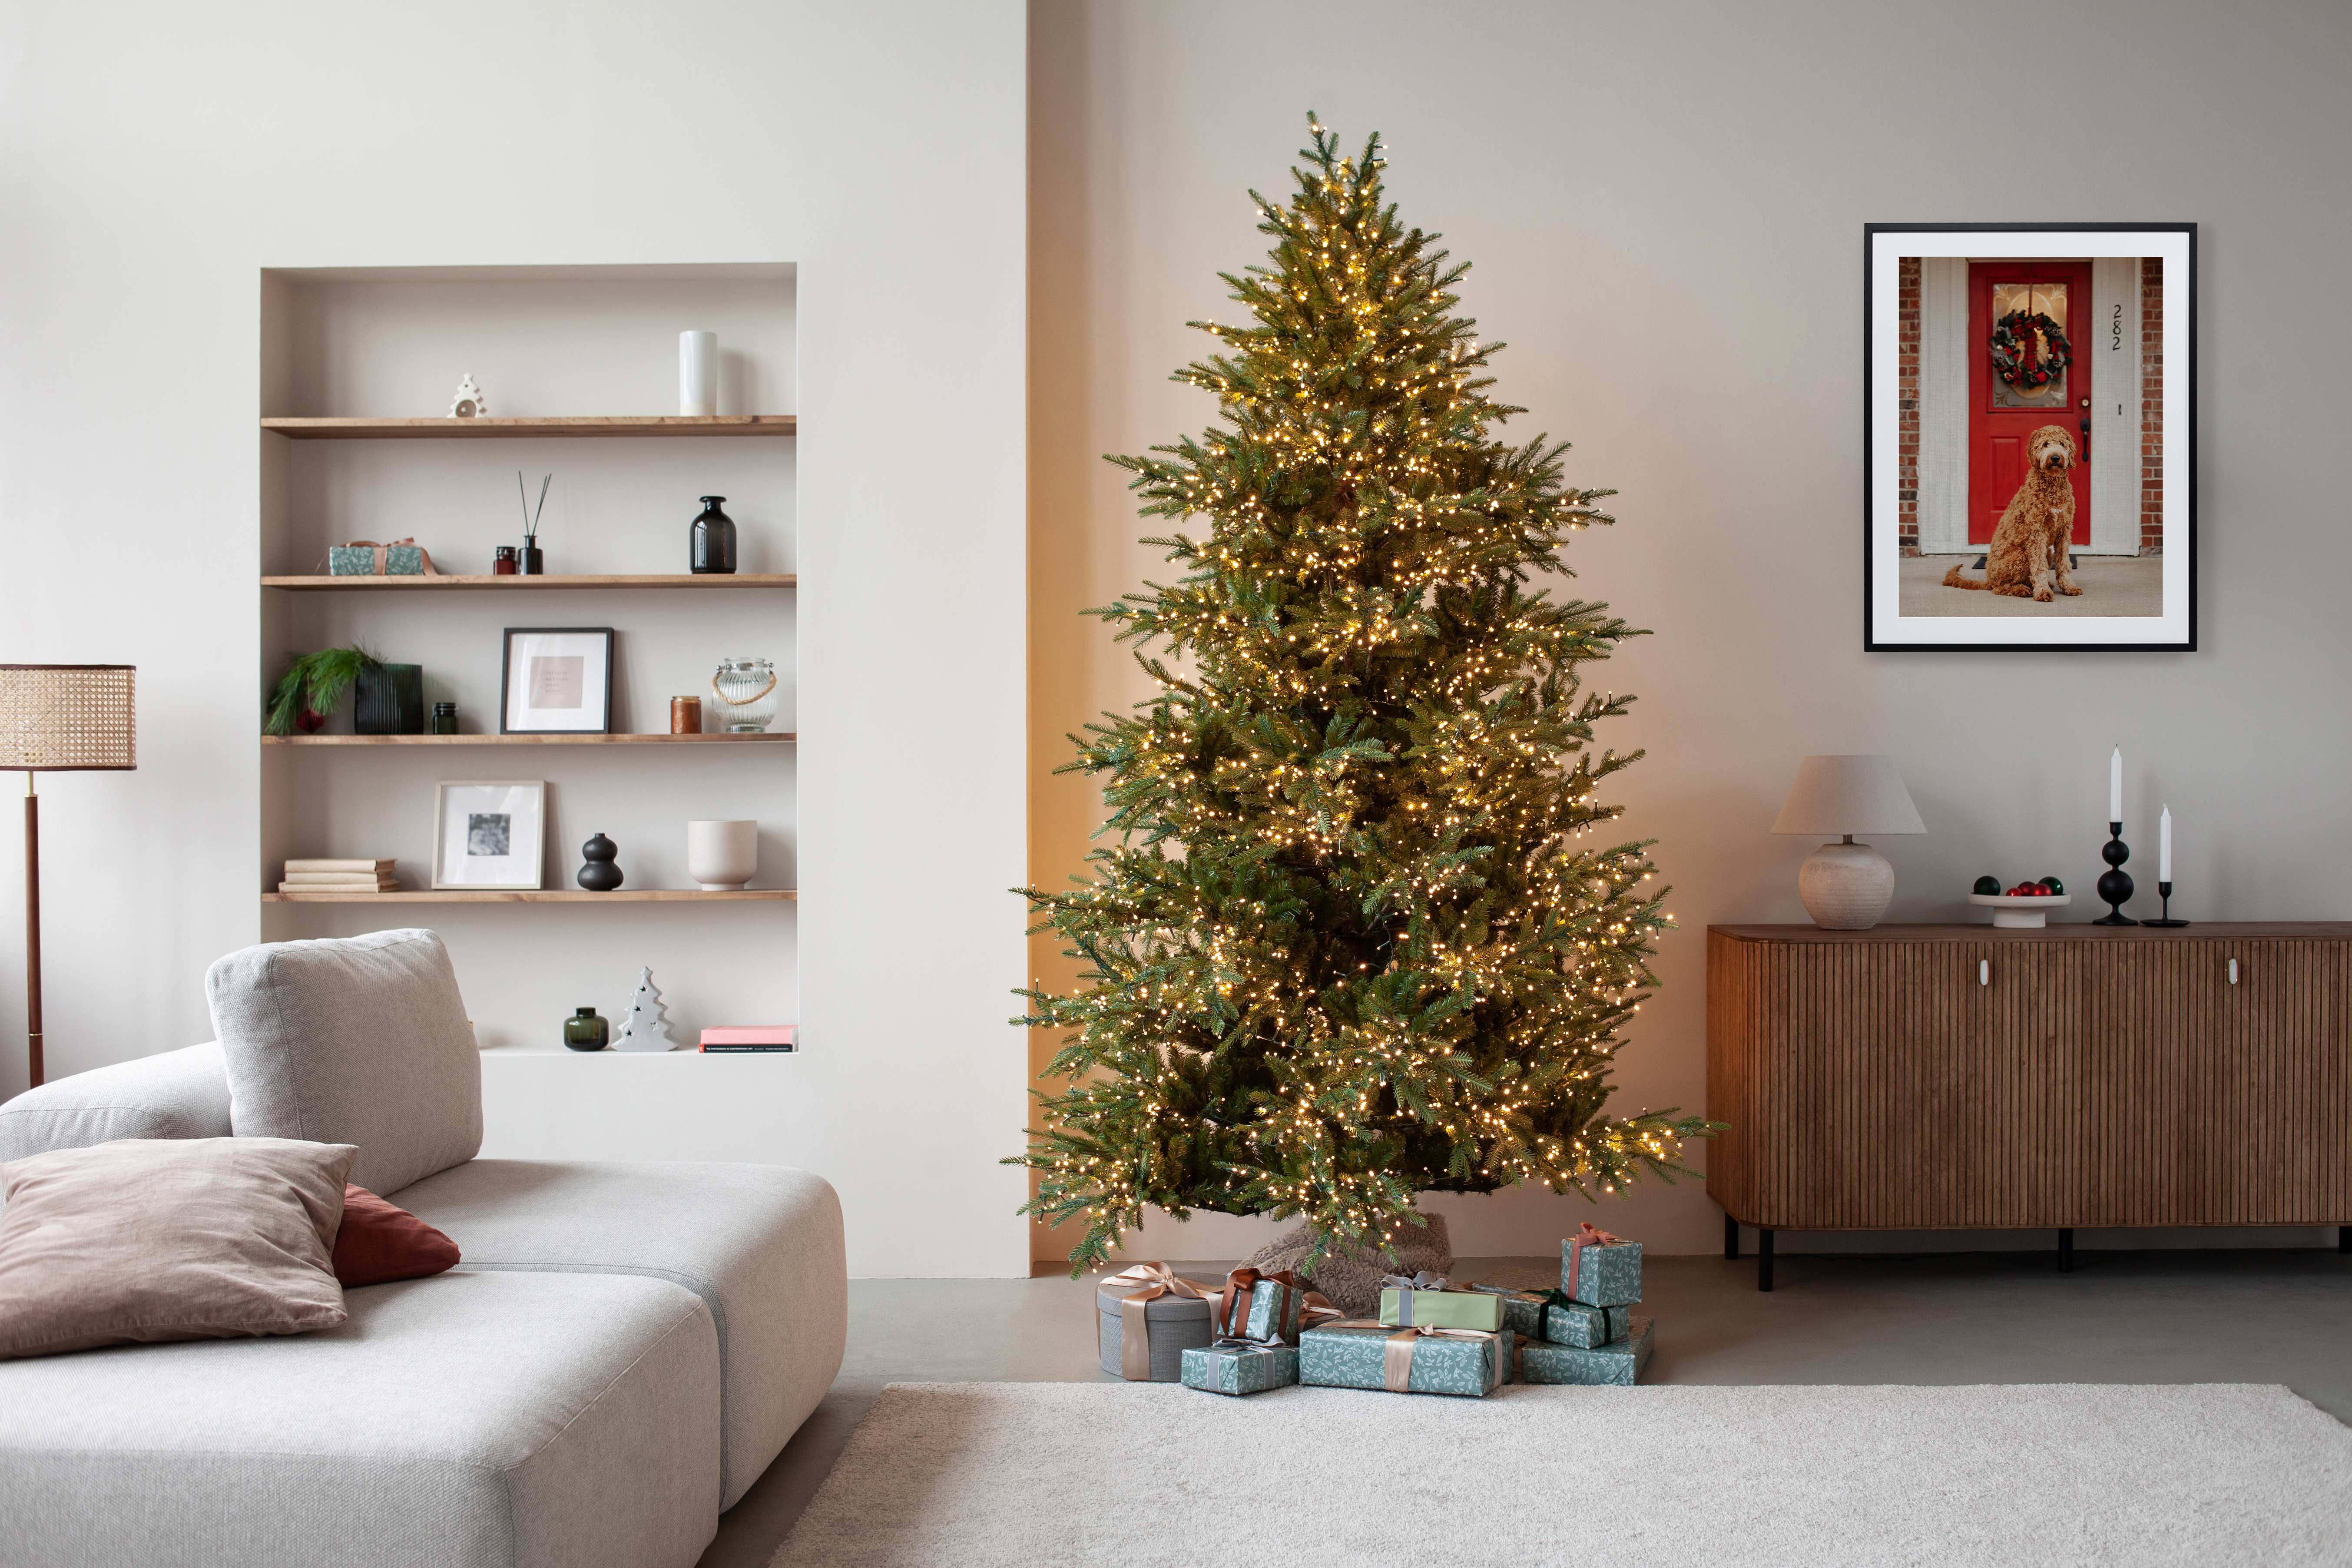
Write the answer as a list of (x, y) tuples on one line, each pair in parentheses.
[(445, 717), (585, 1031), (711, 541)]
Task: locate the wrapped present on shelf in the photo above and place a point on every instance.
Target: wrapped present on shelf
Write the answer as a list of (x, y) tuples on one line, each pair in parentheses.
[(1423, 1358), (1550, 1315), (1240, 1366), (1146, 1318), (1432, 1300), (1601, 1269), (1620, 1363), (366, 558), (1266, 1308)]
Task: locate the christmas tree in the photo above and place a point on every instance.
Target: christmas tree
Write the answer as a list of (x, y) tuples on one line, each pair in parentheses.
[(1355, 936), (645, 1026)]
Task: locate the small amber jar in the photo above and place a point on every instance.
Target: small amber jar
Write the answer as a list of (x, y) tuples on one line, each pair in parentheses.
[(502, 565), (686, 715)]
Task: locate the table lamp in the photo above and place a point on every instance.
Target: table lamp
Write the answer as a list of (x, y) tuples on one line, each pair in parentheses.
[(59, 717), (1847, 885)]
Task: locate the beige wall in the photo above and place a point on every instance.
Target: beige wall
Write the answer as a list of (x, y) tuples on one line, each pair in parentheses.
[(1665, 206)]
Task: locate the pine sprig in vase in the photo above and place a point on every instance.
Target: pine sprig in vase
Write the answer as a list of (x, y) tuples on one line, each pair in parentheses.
[(1357, 937)]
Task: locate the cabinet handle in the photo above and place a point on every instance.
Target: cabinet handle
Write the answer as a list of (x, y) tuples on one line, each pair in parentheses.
[(2233, 972), (1984, 972)]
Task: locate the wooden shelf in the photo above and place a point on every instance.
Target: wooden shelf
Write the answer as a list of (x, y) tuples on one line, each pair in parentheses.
[(625, 896), (647, 580), (491, 429), (771, 738)]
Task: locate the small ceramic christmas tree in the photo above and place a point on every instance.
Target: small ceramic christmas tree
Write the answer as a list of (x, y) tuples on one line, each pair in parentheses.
[(644, 1025)]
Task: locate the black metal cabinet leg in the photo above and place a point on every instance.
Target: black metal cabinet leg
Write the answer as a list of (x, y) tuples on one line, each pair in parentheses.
[(1763, 1259), (1731, 1237), (2343, 1239), (2066, 1251)]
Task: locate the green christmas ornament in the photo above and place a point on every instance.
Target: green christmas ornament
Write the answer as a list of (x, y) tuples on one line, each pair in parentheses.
[(2055, 885), (1989, 885)]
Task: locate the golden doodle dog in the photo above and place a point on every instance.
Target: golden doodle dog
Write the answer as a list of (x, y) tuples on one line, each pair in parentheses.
[(2028, 549)]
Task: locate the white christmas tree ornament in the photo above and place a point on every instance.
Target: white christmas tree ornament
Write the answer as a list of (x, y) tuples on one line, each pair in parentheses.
[(644, 1026), (468, 403)]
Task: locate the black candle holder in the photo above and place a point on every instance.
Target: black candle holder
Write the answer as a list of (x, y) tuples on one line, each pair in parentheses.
[(2164, 891), (2114, 887)]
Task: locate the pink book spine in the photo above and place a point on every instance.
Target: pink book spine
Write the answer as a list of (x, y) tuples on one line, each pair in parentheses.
[(748, 1035)]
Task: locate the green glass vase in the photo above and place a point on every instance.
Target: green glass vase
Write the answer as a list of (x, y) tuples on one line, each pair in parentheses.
[(585, 1031)]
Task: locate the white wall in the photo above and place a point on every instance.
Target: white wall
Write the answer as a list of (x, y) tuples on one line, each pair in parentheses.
[(1665, 204), (153, 160)]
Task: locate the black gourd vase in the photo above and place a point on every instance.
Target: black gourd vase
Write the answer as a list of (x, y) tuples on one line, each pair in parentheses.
[(600, 875), (710, 542)]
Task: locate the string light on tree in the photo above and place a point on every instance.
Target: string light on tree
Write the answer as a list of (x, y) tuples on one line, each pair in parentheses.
[(1347, 939)]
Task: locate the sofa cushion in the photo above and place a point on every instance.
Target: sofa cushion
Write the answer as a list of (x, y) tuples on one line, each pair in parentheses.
[(151, 1239), (179, 1094), (761, 1245), (381, 1242), (358, 1040), (465, 1421)]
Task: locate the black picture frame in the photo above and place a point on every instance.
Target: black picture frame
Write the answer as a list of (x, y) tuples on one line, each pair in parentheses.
[(1886, 629), (599, 640)]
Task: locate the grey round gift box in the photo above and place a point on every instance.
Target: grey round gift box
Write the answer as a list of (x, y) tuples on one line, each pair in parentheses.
[(1177, 1321)]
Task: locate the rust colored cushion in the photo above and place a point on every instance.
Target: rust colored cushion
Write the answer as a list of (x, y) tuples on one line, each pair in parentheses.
[(168, 1238), (381, 1242)]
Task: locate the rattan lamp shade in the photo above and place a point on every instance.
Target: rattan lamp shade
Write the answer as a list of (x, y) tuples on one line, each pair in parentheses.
[(67, 718)]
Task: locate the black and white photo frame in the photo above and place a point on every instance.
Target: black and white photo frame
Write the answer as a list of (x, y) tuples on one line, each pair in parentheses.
[(489, 834)]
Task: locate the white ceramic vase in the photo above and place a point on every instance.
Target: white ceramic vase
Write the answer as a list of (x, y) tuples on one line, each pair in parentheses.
[(698, 373), (722, 856)]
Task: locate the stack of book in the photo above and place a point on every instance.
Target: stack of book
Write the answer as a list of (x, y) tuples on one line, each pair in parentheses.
[(338, 876)]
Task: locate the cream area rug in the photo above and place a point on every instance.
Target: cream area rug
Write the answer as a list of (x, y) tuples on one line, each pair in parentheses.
[(1141, 1475)]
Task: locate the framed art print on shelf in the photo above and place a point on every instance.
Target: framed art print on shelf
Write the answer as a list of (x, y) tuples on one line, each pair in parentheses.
[(2030, 437), (487, 834), (556, 681)]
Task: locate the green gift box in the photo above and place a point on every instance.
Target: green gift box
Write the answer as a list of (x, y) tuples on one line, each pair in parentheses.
[(1238, 1366), (350, 560), (1404, 1360), (1621, 1362), (404, 560), (1550, 1315), (1600, 1270), (1441, 1309), (1261, 1307)]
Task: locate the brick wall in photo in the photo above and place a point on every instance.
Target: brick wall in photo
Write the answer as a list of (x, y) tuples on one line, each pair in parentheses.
[(2151, 423), (1907, 390)]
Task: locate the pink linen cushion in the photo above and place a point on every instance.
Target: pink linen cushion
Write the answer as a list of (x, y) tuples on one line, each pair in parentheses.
[(168, 1238)]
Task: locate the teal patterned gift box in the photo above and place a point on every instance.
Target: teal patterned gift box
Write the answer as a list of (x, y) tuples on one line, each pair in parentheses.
[(1261, 1307), (1621, 1362), (1550, 1315), (1238, 1366), (1599, 1269), (1358, 1354), (350, 560)]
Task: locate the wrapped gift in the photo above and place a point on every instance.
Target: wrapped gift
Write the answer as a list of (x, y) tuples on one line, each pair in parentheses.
[(1424, 1359), (1240, 1366), (1431, 1299), (1600, 1269), (1550, 1315), (365, 558), (1266, 1308), (1620, 1363), (1146, 1317)]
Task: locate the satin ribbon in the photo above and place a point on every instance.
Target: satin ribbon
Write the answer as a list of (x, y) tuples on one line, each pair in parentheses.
[(430, 570), (1396, 1356), (1587, 1235), (1134, 1326), (1231, 1314)]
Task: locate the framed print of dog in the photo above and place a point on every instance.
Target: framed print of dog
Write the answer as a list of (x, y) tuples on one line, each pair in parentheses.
[(2030, 437)]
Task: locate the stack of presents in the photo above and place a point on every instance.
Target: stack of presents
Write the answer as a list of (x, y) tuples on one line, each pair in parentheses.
[(1259, 1330)]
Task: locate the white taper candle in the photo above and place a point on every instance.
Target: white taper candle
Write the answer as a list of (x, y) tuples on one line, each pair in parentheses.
[(2164, 845), (2115, 786), (698, 373)]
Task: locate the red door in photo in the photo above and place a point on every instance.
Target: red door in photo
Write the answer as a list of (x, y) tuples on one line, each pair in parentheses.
[(2004, 414)]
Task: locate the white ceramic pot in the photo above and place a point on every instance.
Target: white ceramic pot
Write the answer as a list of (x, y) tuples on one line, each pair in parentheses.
[(698, 373), (722, 856)]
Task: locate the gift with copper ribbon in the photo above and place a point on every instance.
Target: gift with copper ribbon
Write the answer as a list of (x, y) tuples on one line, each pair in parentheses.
[(366, 558), (1266, 1308), (1550, 1315), (1146, 1317), (1617, 1362), (1410, 1302), (1240, 1366), (1423, 1358), (1600, 1269)]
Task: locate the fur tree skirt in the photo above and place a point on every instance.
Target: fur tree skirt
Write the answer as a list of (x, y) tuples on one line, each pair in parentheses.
[(1352, 1279)]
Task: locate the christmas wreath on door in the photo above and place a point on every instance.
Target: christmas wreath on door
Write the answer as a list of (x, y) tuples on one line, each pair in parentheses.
[(2030, 351)]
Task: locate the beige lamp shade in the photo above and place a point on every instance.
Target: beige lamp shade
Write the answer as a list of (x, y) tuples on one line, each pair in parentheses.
[(65, 718), (1849, 794)]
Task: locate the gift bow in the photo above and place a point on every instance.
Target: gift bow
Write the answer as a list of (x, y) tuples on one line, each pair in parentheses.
[(1587, 1235), (1396, 1356), (1134, 1326), (381, 549), (1233, 1309)]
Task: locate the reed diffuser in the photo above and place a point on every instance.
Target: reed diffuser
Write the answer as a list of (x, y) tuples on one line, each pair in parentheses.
[(534, 565)]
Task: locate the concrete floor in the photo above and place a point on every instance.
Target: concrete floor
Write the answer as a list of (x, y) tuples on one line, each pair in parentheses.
[(2245, 1316), (2111, 585)]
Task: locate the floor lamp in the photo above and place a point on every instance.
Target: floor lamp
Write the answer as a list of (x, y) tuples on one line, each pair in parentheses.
[(59, 717)]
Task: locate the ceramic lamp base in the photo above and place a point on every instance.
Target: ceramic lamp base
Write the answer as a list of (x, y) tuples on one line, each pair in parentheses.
[(1845, 887)]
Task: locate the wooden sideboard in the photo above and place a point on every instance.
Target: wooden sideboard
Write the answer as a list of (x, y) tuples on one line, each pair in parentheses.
[(1941, 1077)]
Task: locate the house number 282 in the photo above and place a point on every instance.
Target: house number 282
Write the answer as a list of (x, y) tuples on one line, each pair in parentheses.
[(2116, 331)]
